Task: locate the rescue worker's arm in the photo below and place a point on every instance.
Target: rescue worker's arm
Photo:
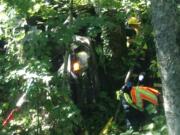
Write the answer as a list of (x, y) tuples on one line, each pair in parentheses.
[(129, 101), (127, 98)]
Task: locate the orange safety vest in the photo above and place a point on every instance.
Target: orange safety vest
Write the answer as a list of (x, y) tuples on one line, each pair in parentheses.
[(140, 93)]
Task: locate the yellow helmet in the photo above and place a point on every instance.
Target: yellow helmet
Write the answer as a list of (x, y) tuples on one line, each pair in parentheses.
[(133, 21)]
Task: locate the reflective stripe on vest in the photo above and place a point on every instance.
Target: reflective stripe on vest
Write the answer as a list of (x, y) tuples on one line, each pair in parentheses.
[(140, 93)]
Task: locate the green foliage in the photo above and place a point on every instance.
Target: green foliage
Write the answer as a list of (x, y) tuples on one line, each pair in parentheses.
[(36, 36), (49, 108)]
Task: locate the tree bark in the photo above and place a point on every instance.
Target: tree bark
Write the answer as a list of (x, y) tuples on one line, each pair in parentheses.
[(166, 24)]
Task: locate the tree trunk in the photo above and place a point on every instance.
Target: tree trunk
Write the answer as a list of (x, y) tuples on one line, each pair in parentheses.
[(166, 24)]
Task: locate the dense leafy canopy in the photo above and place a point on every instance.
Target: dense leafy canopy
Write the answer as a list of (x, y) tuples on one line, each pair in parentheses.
[(39, 33)]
